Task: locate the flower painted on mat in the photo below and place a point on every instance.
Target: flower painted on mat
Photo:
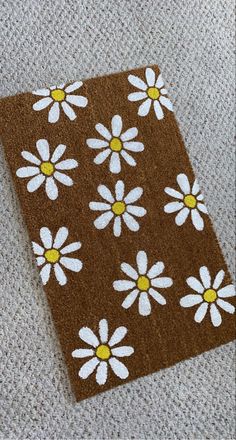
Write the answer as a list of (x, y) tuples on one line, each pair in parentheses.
[(118, 207), (51, 254), (115, 144), (103, 353), (46, 169), (209, 295), (59, 97), (188, 201), (143, 283), (152, 92)]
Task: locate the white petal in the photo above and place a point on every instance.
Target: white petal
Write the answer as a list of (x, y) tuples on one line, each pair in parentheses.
[(197, 220), (150, 77), (173, 193), (158, 110), (45, 273), (130, 222), (144, 107), (195, 284), (105, 193), (129, 300), (117, 336), (137, 82), (157, 296), (218, 279), (97, 143), (103, 330), (133, 195), (137, 96), (116, 125), (173, 207), (88, 368), (99, 206), (136, 147), (63, 178), (119, 368), (58, 153), (144, 305), (159, 82), (54, 113), (60, 274), (46, 237), (205, 277), (68, 110), (129, 134), (73, 264), (30, 157), (115, 163), (129, 270), (182, 216), (156, 269), (142, 262), (102, 221), (195, 188), (200, 197), (119, 190), (166, 102), (215, 315), (123, 285), (126, 350), (61, 237), (74, 86), (43, 149), (190, 300), (82, 353), (35, 183), (78, 100), (87, 335), (225, 306), (202, 208), (42, 103), (101, 374), (201, 312), (163, 91), (162, 282), (67, 164), (40, 261), (38, 250), (101, 157), (183, 183), (27, 171), (71, 248), (129, 159), (227, 291), (102, 130), (117, 227), (51, 188), (41, 92)]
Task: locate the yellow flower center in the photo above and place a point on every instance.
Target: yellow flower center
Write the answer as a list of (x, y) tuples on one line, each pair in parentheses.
[(190, 201), (118, 208), (52, 255), (210, 295), (115, 144), (153, 92), (58, 95), (47, 168), (103, 352), (143, 283)]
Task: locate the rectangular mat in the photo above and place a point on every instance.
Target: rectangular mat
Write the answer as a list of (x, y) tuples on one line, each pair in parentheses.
[(126, 251)]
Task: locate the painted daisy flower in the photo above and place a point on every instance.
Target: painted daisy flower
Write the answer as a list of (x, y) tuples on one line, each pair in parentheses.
[(52, 254), (188, 201), (115, 144), (118, 207), (59, 97), (209, 295), (152, 92), (103, 352), (47, 169), (143, 283)]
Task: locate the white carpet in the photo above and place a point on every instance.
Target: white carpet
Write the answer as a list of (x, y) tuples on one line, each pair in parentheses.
[(49, 41)]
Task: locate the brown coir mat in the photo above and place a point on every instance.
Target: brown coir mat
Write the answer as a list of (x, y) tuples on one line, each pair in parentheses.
[(125, 248)]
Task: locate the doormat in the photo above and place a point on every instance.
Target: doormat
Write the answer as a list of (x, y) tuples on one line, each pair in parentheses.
[(126, 251)]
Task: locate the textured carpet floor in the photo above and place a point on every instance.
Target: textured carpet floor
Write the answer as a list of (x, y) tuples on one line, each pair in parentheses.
[(44, 42)]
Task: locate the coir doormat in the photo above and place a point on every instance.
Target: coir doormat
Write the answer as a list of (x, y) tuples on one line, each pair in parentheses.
[(126, 251)]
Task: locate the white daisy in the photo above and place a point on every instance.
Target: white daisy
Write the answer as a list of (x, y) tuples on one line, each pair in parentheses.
[(118, 207), (60, 97), (152, 92), (143, 283), (115, 144), (188, 201), (47, 169), (52, 254), (103, 352), (209, 295)]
